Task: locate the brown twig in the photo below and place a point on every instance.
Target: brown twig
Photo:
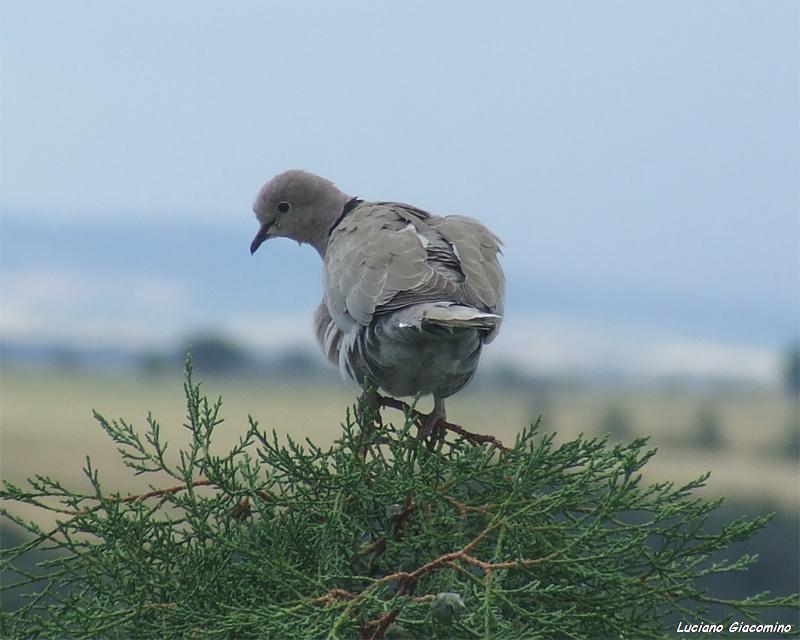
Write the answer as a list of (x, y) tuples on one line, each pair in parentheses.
[(376, 629), (474, 438), (408, 578), (465, 509), (408, 508), (379, 546), (448, 559), (163, 492), (334, 595)]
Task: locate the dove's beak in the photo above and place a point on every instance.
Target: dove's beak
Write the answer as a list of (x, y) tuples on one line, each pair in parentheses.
[(263, 234)]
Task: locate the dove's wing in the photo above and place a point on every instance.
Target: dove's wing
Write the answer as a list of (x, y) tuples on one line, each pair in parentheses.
[(477, 250), (385, 256)]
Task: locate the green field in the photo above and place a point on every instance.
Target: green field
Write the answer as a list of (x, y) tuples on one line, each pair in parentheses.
[(47, 424)]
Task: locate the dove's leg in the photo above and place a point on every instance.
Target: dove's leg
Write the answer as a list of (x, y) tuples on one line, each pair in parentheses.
[(438, 412), (428, 425)]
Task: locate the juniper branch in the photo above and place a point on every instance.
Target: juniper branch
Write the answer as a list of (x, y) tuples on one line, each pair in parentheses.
[(373, 536)]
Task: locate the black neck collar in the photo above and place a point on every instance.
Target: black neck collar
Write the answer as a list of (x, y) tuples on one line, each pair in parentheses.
[(348, 207)]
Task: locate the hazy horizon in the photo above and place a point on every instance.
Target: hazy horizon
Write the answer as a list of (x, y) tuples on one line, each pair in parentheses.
[(639, 160)]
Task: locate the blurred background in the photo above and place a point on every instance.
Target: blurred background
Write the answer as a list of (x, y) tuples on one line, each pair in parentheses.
[(640, 160)]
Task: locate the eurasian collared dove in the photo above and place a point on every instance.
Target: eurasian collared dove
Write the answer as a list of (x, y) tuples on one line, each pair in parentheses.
[(409, 298)]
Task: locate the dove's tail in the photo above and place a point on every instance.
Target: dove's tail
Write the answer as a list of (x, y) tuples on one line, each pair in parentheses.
[(448, 315)]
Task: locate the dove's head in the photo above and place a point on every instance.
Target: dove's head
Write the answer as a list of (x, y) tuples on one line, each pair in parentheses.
[(298, 205)]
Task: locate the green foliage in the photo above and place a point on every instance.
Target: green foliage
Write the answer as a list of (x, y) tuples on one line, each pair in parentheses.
[(380, 535)]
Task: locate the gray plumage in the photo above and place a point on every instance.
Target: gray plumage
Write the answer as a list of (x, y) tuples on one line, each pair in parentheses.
[(409, 298)]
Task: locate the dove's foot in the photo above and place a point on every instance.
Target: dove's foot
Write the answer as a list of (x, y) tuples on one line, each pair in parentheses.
[(429, 424), (432, 430)]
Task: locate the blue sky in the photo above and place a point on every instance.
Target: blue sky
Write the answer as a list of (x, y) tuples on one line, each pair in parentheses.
[(639, 159)]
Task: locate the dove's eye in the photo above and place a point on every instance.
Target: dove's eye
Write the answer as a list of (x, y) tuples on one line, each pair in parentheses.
[(283, 207)]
